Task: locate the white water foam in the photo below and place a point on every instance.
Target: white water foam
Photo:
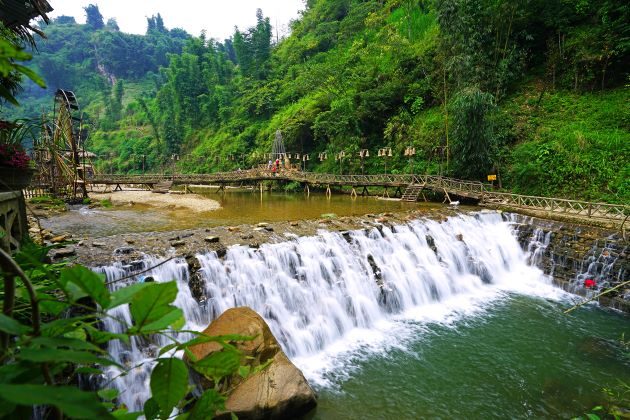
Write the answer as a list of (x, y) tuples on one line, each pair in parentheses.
[(334, 298)]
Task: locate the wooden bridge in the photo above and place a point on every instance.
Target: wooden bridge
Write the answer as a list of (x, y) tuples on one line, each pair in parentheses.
[(412, 185)]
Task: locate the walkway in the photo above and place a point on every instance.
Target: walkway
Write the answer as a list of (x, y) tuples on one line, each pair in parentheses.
[(450, 187)]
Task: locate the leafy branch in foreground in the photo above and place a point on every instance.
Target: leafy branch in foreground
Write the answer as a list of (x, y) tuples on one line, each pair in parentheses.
[(49, 336)]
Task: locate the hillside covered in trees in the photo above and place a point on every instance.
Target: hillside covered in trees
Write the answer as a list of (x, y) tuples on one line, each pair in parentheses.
[(536, 91)]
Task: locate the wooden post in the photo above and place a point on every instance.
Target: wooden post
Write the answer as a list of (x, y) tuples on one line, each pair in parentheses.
[(447, 196), (328, 192), (353, 194)]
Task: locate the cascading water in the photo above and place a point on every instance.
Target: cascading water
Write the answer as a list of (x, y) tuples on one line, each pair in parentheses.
[(325, 293)]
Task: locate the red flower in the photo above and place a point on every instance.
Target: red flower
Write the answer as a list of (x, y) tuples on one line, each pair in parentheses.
[(14, 156), (590, 283)]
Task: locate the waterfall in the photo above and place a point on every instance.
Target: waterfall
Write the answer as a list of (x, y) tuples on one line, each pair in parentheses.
[(325, 292)]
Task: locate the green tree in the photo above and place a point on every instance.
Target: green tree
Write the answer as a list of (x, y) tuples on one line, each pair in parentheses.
[(472, 143), (93, 17)]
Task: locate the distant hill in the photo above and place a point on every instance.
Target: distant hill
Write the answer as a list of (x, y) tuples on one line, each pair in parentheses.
[(533, 90)]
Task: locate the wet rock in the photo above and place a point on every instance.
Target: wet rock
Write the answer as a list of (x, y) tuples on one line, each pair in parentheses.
[(124, 250), (221, 252), (99, 244), (60, 238), (248, 236), (211, 239), (268, 228), (233, 229), (254, 245), (277, 391), (459, 237), (178, 243), (375, 270), (63, 252), (130, 241), (294, 224), (381, 220), (181, 236), (262, 224)]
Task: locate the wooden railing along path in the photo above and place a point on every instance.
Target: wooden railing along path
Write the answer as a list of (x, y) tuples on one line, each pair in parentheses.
[(472, 189)]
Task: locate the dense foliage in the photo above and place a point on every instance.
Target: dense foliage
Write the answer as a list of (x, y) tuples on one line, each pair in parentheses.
[(51, 342), (476, 87)]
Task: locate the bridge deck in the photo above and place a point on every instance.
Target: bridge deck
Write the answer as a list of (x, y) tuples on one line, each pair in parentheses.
[(470, 189)]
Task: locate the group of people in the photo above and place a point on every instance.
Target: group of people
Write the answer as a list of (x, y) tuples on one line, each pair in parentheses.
[(274, 166)]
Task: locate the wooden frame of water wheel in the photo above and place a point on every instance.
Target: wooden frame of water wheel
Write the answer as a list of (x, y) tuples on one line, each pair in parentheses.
[(60, 155)]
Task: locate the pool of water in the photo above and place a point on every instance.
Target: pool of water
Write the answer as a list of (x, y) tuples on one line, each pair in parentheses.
[(237, 207), (519, 357)]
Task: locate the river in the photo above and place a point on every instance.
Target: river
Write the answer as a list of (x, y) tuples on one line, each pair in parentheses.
[(448, 321)]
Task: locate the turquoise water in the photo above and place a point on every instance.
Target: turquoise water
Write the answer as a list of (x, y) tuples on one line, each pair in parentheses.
[(519, 358)]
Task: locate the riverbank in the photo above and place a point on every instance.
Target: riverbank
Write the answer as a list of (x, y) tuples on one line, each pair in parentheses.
[(126, 248), (194, 202)]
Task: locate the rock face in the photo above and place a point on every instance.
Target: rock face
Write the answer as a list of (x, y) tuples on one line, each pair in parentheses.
[(278, 391), (573, 253)]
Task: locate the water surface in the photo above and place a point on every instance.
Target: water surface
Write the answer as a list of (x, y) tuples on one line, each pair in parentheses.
[(237, 207)]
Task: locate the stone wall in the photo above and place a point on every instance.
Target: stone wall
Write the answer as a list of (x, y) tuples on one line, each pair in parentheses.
[(573, 253)]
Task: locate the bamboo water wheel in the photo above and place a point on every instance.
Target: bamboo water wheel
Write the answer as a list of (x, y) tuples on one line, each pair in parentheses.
[(63, 163)]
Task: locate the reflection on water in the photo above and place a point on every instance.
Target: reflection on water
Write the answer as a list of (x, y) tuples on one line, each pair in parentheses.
[(236, 208)]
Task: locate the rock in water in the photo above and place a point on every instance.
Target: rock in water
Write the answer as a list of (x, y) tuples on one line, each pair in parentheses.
[(278, 391)]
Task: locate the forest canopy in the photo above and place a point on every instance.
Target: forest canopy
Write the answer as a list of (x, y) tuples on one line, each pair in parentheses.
[(477, 87)]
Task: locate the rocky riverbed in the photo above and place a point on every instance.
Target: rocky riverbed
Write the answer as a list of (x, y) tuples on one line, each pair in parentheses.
[(131, 246)]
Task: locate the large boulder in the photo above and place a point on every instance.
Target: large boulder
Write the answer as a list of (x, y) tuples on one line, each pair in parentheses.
[(276, 392)]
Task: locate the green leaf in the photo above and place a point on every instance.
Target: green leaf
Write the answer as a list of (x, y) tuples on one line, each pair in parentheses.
[(123, 414), (31, 75), (151, 409), (62, 326), (88, 281), (100, 337), (72, 401), (40, 355), (208, 404), (169, 383), (71, 343), (11, 326), (88, 371), (243, 371), (124, 295), (20, 372), (51, 306), (6, 95), (167, 348), (108, 394), (221, 339), (173, 318), (592, 416), (153, 303), (219, 364)]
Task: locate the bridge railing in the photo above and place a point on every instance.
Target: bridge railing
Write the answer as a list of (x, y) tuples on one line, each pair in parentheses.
[(561, 205)]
